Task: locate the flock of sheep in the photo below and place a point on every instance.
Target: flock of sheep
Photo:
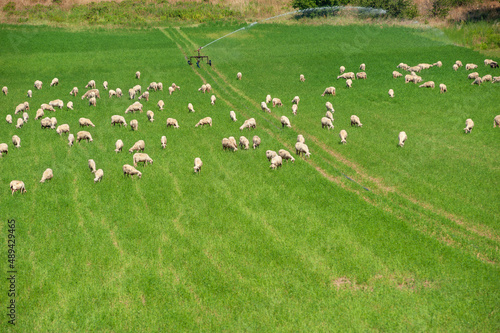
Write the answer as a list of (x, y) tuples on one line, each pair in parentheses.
[(276, 158)]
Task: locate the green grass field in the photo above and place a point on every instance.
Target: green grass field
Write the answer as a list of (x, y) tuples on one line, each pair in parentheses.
[(365, 236)]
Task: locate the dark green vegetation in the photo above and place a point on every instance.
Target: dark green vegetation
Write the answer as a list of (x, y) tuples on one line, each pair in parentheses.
[(240, 246)]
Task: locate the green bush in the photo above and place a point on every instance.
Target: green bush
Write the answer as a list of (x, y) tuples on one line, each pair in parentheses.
[(440, 8)]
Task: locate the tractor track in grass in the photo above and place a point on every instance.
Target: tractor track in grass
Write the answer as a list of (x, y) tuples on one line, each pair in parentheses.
[(479, 241)]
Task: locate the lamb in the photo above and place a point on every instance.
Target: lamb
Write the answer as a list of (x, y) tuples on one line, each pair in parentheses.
[(470, 66), (151, 115), (268, 99), (160, 104), (137, 75), (4, 149), (302, 148), (131, 171), (300, 138), (455, 67), (84, 135), (25, 117), (98, 175), (294, 109), (69, 105), (249, 123), (47, 175), (442, 88), (29, 94), (362, 67), (302, 78), (55, 82), (391, 93), (402, 137), (71, 140), (264, 107), (64, 128), (137, 106), (428, 84), (329, 115), (197, 165), (92, 166), (238, 76), (57, 103), (17, 185), (46, 123), (134, 125), (227, 144), (244, 143), (469, 124), (163, 142), (256, 141), (270, 154), (119, 93), (396, 74), (296, 100), (144, 95), (5, 90), (285, 154), (53, 122), (90, 84), (176, 87), (153, 86), (8, 118), (343, 136), (112, 93), (232, 115), (92, 101), (355, 121), (160, 86), (138, 146), (74, 91), (105, 85), (473, 76), (16, 141), (326, 122), (212, 99), (141, 157), (487, 77), (22, 107), (190, 108), (329, 91), (38, 84), (348, 75), (172, 122), (496, 121), (91, 93), (285, 122), (361, 76), (118, 146), (438, 64), (116, 119), (20, 123), (477, 81), (204, 121), (329, 107), (348, 83), (276, 162), (277, 102), (131, 93), (342, 69), (170, 90)]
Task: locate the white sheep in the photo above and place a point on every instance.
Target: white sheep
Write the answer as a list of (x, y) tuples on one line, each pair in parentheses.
[(212, 99), (296, 100), (488, 61), (285, 122), (329, 91), (355, 121), (190, 108), (442, 88), (163, 142), (170, 90), (4, 149), (20, 123), (5, 90), (342, 69), (473, 76), (244, 143), (39, 114), (84, 135), (91, 93), (302, 78), (268, 99), (152, 86), (361, 75), (142, 157), (396, 74), (151, 115), (22, 107), (116, 119), (414, 69), (134, 125), (74, 91), (228, 144), (487, 77), (144, 95), (469, 124), (232, 115), (470, 66), (495, 79), (92, 166), (362, 67), (38, 84), (17, 185), (53, 122), (391, 93), (343, 136), (238, 76), (477, 81), (29, 94), (69, 105), (348, 75), (85, 122), (16, 141), (129, 170), (204, 121), (8, 118), (403, 66), (270, 154), (428, 84), (326, 122), (294, 109), (285, 154), (209, 87), (47, 175), (160, 104), (300, 138), (256, 142), (203, 88), (277, 102), (137, 106), (118, 145), (105, 85), (276, 162), (92, 101), (198, 164), (112, 93), (424, 66), (402, 137), (176, 87), (302, 148), (329, 115), (64, 128), (57, 103), (264, 107), (455, 67), (496, 121), (249, 123), (46, 123), (98, 175), (90, 84), (25, 117), (137, 88), (329, 107), (232, 140), (438, 64), (138, 146), (71, 139), (172, 122), (131, 93), (55, 82), (348, 83), (159, 85), (137, 75), (119, 93)]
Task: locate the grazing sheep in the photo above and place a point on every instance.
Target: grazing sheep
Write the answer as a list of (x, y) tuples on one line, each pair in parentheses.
[(300, 138), (428, 84), (402, 137), (302, 148), (329, 107), (487, 77), (414, 69), (361, 76), (8, 118), (470, 66), (71, 140), (277, 102), (228, 144), (203, 88), (190, 108), (285, 122), (151, 115), (137, 75), (343, 136), (329, 115), (276, 162), (296, 100), (232, 140), (91, 93), (477, 81), (53, 122), (212, 99), (285, 154), (442, 88), (172, 122), (64, 128), (29, 94), (488, 61), (197, 165), (329, 91), (91, 84), (391, 93), (473, 76), (138, 146), (170, 90), (25, 117), (112, 93), (118, 146), (163, 142), (131, 93), (355, 121), (424, 66), (105, 85), (342, 69), (160, 104), (141, 157), (495, 79), (362, 67), (92, 165), (396, 74), (244, 143), (57, 103), (348, 83), (176, 87), (137, 106), (55, 82), (74, 91), (84, 135), (232, 115), (69, 105), (134, 125), (249, 123), (209, 87), (403, 66), (256, 141), (129, 170), (16, 141), (455, 67), (294, 109), (348, 75), (264, 107), (159, 86), (238, 76), (137, 88), (4, 149), (85, 122), (98, 175), (38, 84), (144, 95), (268, 99), (5, 90), (302, 78), (438, 64), (39, 114), (496, 121), (326, 122), (204, 121), (46, 123), (116, 119), (47, 175), (20, 123), (270, 154), (152, 86), (469, 124), (17, 185), (92, 101), (22, 107), (119, 93), (494, 64)]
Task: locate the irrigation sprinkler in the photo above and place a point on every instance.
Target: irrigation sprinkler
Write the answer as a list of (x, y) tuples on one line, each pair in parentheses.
[(199, 58)]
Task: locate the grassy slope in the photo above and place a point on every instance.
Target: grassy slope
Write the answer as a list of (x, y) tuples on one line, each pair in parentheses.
[(240, 247)]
